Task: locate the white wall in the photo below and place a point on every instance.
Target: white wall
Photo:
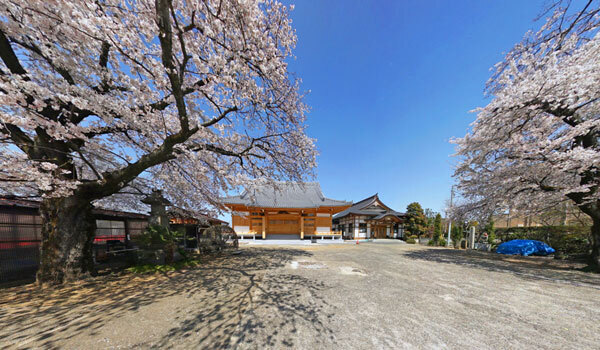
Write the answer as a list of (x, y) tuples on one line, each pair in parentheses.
[(242, 229)]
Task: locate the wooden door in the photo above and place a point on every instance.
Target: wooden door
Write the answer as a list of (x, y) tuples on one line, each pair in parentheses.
[(283, 224)]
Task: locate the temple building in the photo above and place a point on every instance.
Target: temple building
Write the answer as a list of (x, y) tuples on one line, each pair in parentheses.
[(369, 218), (285, 210)]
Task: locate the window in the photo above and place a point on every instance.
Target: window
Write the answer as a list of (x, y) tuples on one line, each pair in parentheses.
[(110, 228), (283, 222), (362, 228), (350, 228)]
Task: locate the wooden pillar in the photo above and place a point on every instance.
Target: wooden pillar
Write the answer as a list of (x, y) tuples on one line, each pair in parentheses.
[(301, 226), (232, 225), (264, 227)]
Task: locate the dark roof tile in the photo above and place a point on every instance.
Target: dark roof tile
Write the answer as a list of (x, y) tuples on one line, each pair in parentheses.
[(283, 194)]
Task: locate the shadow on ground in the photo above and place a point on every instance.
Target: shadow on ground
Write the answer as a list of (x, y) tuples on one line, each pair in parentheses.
[(534, 268), (210, 301)]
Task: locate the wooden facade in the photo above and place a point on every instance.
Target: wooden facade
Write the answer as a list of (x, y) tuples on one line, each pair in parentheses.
[(261, 217), (303, 222), (369, 218)]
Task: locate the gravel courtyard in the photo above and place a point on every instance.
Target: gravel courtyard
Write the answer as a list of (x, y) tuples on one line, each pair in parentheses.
[(368, 296)]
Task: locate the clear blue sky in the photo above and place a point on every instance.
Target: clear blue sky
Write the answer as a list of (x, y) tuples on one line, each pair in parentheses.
[(391, 82)]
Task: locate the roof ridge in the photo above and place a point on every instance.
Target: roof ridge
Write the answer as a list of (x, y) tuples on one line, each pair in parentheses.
[(365, 200)]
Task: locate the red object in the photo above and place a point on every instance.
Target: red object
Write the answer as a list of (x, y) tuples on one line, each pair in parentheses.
[(105, 238), (357, 241)]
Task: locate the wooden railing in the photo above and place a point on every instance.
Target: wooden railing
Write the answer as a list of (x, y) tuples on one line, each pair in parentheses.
[(252, 234), (332, 234)]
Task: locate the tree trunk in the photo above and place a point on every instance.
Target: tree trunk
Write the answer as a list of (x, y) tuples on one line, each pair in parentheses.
[(67, 235), (595, 256)]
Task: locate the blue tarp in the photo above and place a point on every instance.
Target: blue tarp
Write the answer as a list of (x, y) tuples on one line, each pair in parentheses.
[(524, 247)]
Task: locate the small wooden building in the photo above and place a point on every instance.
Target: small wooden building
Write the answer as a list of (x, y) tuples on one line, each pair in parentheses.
[(191, 225), (369, 218), (284, 210), (21, 230)]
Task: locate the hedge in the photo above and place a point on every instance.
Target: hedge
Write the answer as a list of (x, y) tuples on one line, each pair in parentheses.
[(573, 241)]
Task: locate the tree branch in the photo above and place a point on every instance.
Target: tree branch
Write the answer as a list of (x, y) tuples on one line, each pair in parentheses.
[(9, 57)]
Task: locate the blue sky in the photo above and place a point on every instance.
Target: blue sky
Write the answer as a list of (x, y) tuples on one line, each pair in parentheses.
[(391, 82)]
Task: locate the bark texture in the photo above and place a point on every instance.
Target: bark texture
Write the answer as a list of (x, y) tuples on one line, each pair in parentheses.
[(67, 235), (595, 256)]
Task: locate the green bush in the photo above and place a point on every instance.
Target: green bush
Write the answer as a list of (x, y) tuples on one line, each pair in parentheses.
[(571, 241), (456, 235), (439, 243), (158, 237), (411, 241)]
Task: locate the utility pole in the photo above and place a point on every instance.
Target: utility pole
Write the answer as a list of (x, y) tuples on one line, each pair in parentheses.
[(450, 221)]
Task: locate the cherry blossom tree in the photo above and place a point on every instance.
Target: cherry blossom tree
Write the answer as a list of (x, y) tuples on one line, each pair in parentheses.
[(101, 98), (536, 143)]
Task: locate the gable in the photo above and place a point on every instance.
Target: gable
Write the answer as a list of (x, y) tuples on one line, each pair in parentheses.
[(376, 205)]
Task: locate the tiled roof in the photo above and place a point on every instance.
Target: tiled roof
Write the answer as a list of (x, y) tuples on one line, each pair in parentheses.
[(285, 194), (361, 208), (35, 204)]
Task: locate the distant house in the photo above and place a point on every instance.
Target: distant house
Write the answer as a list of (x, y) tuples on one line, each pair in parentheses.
[(284, 210), (369, 218)]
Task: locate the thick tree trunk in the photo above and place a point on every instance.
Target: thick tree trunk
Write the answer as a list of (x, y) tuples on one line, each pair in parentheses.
[(67, 235), (595, 256)]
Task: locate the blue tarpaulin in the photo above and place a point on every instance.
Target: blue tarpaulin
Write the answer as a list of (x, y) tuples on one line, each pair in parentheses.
[(524, 247)]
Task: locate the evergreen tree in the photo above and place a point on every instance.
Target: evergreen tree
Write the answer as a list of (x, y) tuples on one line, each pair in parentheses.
[(456, 235), (437, 228), (416, 223)]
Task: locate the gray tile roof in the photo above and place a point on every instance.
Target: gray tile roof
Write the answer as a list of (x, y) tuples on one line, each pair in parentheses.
[(382, 215), (361, 208), (283, 194)]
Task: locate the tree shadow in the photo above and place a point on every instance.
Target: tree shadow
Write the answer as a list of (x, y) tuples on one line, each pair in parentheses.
[(531, 268), (214, 308)]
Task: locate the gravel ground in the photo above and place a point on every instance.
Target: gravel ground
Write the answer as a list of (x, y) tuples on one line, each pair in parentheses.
[(367, 296)]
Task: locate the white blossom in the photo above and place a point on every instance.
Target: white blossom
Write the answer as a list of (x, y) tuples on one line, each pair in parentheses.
[(195, 99)]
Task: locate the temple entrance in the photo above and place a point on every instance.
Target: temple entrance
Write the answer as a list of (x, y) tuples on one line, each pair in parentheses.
[(284, 224), (379, 231)]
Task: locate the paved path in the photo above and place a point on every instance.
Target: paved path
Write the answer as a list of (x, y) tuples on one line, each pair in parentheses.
[(370, 296)]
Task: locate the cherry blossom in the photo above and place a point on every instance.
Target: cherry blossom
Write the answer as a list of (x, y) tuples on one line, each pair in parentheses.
[(105, 97), (536, 143)]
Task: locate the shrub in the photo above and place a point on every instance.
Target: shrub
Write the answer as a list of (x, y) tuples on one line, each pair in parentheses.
[(158, 237), (442, 242), (411, 241), (456, 235), (431, 243)]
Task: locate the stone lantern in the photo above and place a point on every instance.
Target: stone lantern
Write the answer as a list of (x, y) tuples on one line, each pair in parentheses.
[(158, 208)]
